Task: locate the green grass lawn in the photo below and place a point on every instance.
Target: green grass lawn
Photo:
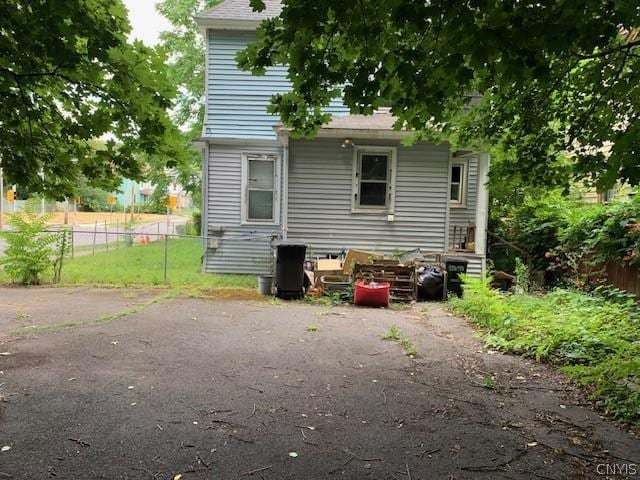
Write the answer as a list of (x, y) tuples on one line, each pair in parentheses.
[(144, 265)]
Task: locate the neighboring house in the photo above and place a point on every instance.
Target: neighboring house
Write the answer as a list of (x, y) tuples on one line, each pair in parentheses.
[(130, 189), (353, 186), (141, 193)]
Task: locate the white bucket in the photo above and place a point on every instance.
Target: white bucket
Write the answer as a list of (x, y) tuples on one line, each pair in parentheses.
[(265, 284)]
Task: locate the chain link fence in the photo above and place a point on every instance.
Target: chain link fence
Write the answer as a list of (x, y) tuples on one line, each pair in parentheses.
[(104, 253)]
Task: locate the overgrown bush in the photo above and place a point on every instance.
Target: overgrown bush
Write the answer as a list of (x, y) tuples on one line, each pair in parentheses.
[(596, 340), (93, 199), (605, 233), (29, 253), (572, 241), (197, 222)]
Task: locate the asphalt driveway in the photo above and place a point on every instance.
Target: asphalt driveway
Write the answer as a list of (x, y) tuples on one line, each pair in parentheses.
[(151, 387)]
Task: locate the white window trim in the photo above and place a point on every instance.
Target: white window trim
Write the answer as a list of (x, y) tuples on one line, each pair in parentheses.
[(391, 187), (245, 191), (464, 164)]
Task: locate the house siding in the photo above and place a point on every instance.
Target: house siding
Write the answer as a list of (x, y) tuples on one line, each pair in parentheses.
[(241, 248), (466, 215), (320, 189), (236, 100)]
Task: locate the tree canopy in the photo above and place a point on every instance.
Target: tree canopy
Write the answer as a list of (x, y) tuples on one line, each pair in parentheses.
[(536, 77), (68, 75)]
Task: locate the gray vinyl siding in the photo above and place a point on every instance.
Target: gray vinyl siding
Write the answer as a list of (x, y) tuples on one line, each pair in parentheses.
[(236, 100), (320, 189), (241, 248), (466, 215)]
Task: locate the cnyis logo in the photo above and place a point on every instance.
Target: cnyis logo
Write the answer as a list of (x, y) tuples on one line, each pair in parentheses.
[(623, 469)]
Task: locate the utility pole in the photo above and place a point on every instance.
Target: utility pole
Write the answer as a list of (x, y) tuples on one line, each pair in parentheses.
[(132, 201)]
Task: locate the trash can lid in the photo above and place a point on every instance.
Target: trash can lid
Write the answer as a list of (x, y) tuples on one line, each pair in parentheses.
[(286, 243), (460, 260)]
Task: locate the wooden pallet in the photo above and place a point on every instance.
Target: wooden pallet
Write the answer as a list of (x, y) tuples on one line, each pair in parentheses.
[(402, 279)]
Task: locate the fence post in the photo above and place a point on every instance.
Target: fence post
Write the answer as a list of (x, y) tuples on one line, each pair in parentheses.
[(117, 233), (73, 243), (106, 235), (95, 232), (166, 251)]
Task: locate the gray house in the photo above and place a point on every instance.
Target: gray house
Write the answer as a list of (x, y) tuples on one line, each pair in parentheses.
[(353, 186)]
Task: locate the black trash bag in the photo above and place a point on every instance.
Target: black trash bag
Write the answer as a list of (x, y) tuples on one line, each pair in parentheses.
[(430, 283)]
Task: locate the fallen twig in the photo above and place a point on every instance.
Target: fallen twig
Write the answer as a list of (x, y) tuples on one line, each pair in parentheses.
[(240, 439), (257, 470), (253, 412), (306, 426), (376, 459), (427, 452), (226, 422), (306, 440), (384, 396), (408, 471), (82, 443), (494, 467), (201, 460)]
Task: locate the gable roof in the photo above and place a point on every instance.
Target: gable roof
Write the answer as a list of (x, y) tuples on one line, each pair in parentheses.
[(237, 15)]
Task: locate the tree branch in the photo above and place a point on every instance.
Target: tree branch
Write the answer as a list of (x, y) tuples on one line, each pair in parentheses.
[(627, 46)]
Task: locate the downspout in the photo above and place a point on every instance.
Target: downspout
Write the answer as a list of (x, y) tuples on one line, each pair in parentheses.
[(204, 210), (447, 218)]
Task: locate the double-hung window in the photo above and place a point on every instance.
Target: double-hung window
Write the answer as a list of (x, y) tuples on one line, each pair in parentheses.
[(374, 179), (457, 192), (259, 190)]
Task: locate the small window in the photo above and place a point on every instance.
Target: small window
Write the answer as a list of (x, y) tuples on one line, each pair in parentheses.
[(458, 184), (259, 201), (373, 180)]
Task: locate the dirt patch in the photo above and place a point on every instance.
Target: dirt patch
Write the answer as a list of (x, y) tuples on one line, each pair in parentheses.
[(244, 389), (230, 294)]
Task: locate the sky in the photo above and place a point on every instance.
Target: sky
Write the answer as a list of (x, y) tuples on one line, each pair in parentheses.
[(146, 22)]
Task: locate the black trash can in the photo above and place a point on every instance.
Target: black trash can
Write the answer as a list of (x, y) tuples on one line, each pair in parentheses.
[(454, 267), (290, 270)]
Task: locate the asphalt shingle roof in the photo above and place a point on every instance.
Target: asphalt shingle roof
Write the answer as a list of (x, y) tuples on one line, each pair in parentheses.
[(241, 10), (380, 120)]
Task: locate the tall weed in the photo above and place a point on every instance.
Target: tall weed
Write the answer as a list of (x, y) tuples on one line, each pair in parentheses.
[(595, 340)]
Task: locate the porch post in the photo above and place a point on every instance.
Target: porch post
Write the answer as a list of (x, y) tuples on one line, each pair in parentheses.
[(284, 204), (482, 204)]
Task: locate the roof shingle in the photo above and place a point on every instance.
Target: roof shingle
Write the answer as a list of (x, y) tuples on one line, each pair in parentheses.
[(240, 10)]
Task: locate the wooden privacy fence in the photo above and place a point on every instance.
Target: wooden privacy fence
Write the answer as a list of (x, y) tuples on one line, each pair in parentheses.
[(624, 277)]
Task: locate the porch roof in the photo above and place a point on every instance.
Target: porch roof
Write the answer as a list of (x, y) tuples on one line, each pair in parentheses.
[(380, 120), (379, 124)]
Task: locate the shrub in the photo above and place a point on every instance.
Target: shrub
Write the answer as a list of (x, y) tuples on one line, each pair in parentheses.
[(29, 253), (595, 340), (197, 222)]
